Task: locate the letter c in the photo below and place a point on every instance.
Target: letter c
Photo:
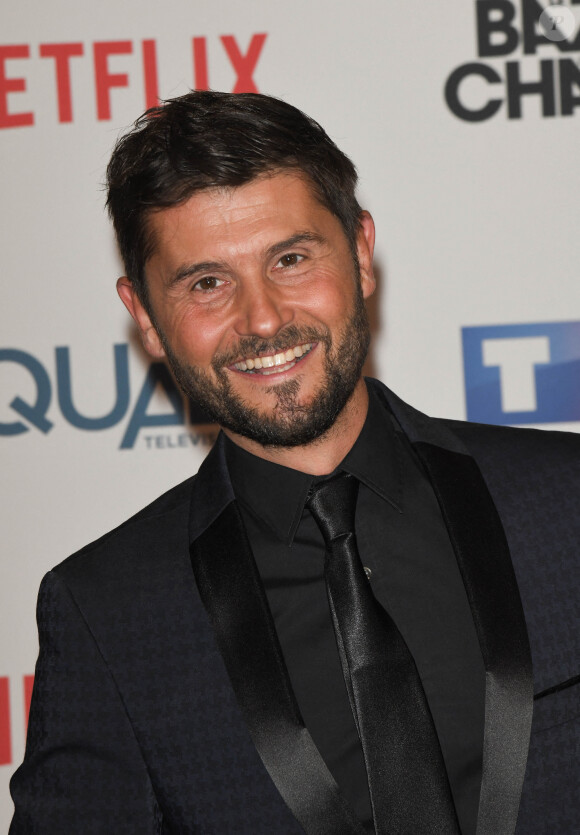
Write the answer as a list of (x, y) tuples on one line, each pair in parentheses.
[(452, 92)]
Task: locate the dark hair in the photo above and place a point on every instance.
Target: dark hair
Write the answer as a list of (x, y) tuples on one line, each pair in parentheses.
[(207, 139)]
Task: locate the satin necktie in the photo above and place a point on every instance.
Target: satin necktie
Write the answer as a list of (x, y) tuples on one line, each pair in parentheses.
[(408, 784)]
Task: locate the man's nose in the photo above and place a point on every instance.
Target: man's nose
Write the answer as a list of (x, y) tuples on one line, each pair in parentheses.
[(262, 309)]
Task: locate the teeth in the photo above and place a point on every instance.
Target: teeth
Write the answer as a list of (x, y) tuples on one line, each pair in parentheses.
[(287, 366), (274, 361)]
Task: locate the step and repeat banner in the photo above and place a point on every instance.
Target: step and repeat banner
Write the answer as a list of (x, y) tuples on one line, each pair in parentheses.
[(462, 118)]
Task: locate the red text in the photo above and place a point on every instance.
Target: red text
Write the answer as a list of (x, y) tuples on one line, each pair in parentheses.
[(110, 72), (6, 715)]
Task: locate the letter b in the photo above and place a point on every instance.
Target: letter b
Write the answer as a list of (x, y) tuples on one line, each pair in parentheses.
[(487, 27)]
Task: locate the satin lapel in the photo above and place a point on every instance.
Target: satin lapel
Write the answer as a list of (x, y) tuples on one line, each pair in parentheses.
[(234, 598), (484, 560), (485, 564)]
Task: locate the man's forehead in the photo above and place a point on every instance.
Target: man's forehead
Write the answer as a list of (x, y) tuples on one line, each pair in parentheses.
[(275, 178), (281, 198)]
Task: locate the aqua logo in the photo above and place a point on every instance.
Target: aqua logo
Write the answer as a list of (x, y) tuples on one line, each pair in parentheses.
[(33, 413)]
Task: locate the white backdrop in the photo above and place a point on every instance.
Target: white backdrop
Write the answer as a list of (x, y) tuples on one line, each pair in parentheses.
[(477, 228)]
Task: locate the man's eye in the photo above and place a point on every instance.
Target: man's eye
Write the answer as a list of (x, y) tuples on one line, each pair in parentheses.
[(290, 259), (210, 282)]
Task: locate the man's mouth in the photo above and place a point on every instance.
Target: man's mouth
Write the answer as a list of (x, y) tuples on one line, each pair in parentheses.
[(274, 363)]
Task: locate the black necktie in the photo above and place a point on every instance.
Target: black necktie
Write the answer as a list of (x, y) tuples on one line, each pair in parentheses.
[(408, 783)]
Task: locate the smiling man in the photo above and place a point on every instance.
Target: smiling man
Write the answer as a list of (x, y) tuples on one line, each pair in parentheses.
[(339, 625)]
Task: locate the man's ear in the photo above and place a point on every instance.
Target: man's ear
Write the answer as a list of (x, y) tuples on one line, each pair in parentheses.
[(365, 247), (132, 302)]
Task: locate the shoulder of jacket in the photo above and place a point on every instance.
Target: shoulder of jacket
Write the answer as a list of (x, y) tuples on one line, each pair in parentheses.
[(519, 439), (160, 521)]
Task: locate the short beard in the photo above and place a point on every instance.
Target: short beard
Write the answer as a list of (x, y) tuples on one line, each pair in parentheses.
[(289, 423)]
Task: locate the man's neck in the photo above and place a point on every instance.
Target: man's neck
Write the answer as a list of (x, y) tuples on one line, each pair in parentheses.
[(323, 455)]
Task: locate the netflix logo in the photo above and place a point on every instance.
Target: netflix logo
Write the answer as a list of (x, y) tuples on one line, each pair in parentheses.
[(6, 715), (107, 64)]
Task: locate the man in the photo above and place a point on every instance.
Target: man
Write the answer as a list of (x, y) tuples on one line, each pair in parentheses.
[(221, 663)]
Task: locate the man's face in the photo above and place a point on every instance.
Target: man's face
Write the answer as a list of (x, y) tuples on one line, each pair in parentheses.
[(258, 307)]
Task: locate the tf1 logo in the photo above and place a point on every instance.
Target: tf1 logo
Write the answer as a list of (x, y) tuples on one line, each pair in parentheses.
[(517, 374), (31, 412)]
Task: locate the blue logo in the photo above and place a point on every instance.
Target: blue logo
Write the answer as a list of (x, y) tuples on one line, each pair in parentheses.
[(33, 413), (522, 373)]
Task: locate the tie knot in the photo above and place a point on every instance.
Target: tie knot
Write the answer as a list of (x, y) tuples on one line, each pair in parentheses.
[(333, 504)]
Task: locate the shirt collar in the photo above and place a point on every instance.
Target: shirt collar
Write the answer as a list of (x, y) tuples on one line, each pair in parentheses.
[(275, 495)]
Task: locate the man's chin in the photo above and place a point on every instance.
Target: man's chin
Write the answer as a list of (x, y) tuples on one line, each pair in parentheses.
[(270, 434), (288, 424)]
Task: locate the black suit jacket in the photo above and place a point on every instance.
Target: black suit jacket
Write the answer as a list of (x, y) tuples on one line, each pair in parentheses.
[(161, 700)]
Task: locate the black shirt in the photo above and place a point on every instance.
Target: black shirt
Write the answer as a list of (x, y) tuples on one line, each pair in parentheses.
[(403, 541)]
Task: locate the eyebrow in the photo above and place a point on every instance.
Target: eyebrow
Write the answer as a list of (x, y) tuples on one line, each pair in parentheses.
[(190, 270), (298, 238)]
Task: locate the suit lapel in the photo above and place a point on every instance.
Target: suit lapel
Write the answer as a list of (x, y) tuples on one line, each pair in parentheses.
[(232, 593), (486, 568), (247, 637)]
